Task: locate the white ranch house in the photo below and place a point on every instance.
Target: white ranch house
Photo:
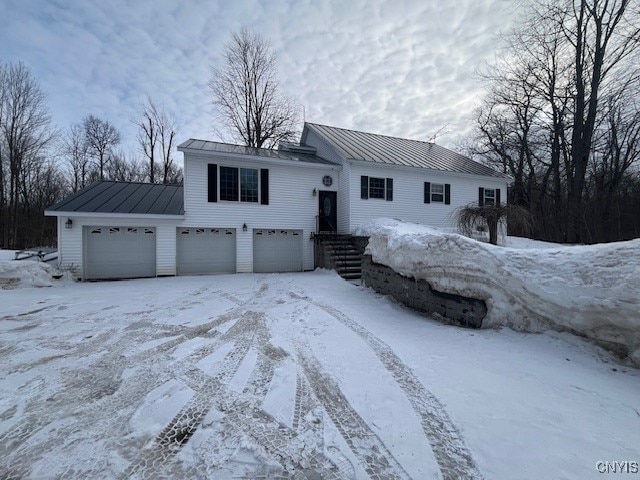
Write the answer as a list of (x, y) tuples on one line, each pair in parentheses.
[(255, 210)]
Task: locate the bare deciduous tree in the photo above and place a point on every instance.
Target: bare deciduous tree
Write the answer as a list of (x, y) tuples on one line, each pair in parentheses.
[(101, 137), (75, 151), (148, 135), (167, 131), (3, 202), (547, 118), (156, 136), (123, 169), (25, 131), (246, 94)]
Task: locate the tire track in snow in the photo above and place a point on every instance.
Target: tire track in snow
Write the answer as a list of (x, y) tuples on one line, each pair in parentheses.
[(184, 424), (95, 390), (100, 380), (370, 450), (452, 455), (307, 418)]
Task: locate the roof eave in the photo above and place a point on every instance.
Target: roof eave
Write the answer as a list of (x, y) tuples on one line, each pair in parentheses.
[(370, 163), (155, 216)]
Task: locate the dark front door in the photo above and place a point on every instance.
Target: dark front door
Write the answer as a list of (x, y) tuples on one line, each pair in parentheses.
[(327, 209)]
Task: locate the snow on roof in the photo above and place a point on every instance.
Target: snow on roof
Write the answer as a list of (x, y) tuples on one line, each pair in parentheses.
[(371, 147), (590, 290)]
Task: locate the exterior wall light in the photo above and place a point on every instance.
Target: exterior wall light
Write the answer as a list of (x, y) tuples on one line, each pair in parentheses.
[(315, 192), (244, 227), (68, 223)]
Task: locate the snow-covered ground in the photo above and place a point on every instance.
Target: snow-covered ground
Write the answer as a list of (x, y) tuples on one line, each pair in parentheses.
[(591, 290), (271, 376)]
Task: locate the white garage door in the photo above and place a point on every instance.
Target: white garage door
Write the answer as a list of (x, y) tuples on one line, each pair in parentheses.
[(119, 252), (277, 250), (203, 251)]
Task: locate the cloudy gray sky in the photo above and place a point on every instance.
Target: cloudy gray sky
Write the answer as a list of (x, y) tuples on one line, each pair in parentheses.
[(403, 68)]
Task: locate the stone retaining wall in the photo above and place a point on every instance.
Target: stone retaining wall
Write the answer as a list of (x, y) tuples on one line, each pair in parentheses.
[(418, 294)]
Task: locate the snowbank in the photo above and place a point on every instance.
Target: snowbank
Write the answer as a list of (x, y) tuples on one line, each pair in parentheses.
[(27, 273), (592, 290), (7, 254)]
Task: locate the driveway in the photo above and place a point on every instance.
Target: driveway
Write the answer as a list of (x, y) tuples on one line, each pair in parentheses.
[(290, 376)]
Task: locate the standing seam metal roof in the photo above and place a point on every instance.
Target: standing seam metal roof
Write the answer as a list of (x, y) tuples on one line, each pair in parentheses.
[(375, 148), (124, 197), (209, 146)]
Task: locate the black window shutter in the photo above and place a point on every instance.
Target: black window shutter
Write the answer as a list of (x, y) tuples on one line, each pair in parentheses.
[(389, 189), (264, 186), (481, 196), (497, 196), (364, 187), (212, 182), (427, 192), (447, 194)]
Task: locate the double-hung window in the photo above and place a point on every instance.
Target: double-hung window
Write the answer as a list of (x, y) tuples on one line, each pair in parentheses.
[(488, 196), (229, 184), (437, 193), (248, 184), (376, 187)]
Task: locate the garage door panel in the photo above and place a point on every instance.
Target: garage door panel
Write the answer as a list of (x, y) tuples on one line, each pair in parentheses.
[(119, 252), (202, 251), (277, 250)]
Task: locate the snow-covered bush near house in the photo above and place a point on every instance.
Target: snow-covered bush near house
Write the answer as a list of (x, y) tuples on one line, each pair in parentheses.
[(27, 273), (592, 290)]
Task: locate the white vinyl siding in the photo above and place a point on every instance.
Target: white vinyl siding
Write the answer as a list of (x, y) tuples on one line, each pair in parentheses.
[(344, 201), (292, 205), (408, 195)]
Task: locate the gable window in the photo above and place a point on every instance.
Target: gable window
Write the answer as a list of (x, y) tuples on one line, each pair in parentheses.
[(488, 196), (437, 193), (375, 187)]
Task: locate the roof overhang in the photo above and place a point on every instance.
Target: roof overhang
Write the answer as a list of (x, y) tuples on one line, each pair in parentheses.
[(150, 216), (367, 163)]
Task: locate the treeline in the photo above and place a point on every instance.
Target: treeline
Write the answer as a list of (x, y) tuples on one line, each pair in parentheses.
[(562, 118), (41, 164)]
